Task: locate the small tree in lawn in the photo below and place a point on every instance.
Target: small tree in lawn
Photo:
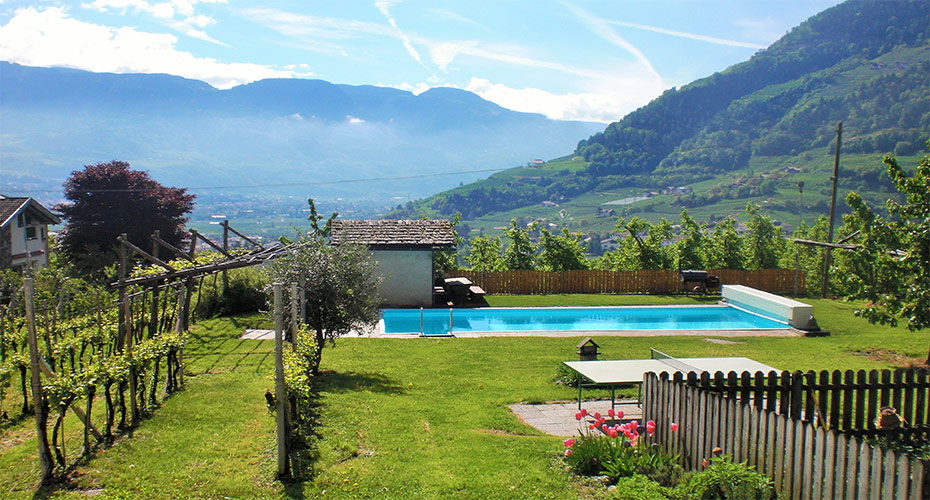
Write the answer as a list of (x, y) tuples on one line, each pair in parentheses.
[(898, 250), (341, 287)]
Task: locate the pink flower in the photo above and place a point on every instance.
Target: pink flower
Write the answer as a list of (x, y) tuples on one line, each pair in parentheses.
[(578, 416), (568, 452), (673, 426), (612, 432), (604, 428), (611, 412), (569, 442), (634, 425), (650, 423)]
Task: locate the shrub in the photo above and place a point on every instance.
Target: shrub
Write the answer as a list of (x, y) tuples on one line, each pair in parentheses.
[(638, 487), (725, 479), (244, 295)]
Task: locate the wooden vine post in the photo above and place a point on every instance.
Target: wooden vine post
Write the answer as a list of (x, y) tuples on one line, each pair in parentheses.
[(39, 401), (126, 329), (279, 389)]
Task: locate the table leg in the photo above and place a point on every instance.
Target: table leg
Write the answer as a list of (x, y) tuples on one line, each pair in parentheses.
[(579, 392)]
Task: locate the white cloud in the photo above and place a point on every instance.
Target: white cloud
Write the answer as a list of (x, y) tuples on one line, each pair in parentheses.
[(51, 38), (692, 36), (384, 6), (413, 89), (604, 106), (180, 14), (354, 120), (602, 28)]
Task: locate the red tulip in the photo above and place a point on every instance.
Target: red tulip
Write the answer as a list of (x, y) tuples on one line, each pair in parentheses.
[(619, 415), (584, 412), (569, 442), (611, 412), (568, 452), (578, 416), (597, 415), (673, 426)]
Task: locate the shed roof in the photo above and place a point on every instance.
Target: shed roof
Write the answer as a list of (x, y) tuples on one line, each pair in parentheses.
[(393, 232), (9, 207)]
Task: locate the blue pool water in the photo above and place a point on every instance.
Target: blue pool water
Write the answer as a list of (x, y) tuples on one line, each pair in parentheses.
[(436, 321)]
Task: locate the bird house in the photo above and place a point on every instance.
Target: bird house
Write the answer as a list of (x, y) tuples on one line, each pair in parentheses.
[(587, 350)]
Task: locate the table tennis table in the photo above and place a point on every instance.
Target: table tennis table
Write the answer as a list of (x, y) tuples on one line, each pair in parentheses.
[(610, 374)]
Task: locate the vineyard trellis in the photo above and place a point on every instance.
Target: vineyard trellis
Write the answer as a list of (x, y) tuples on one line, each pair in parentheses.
[(74, 344)]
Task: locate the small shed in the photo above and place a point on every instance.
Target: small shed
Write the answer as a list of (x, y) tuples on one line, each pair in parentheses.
[(403, 249)]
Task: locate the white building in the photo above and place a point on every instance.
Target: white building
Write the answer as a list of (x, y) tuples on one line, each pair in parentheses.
[(24, 233), (403, 250)]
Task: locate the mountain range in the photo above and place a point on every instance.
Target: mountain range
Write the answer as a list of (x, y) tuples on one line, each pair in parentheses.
[(291, 136)]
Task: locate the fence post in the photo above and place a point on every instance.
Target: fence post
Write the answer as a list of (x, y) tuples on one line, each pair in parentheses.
[(294, 316), (179, 327), (38, 398), (280, 392)]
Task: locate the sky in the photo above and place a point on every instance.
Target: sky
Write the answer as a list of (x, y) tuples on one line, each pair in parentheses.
[(571, 60)]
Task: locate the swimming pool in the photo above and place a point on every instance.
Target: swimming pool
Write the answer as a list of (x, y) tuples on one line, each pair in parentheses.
[(494, 319)]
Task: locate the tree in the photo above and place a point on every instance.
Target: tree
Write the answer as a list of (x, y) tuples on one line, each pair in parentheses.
[(692, 241), (341, 287), (445, 260), (764, 242), (521, 253), (726, 248), (485, 254), (902, 244), (564, 252), (108, 199)]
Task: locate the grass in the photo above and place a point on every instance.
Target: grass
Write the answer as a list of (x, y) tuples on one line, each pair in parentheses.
[(423, 418)]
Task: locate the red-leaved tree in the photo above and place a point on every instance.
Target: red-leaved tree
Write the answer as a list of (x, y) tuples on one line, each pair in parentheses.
[(108, 199)]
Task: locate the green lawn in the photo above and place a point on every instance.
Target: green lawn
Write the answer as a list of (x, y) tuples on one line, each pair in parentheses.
[(420, 418)]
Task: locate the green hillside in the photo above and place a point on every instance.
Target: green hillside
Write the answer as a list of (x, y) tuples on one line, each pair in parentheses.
[(749, 133)]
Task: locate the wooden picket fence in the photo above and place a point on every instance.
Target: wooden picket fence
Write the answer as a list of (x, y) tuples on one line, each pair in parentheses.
[(795, 444), (656, 281)]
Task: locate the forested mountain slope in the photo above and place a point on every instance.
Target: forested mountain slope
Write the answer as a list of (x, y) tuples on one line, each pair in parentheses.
[(865, 63)]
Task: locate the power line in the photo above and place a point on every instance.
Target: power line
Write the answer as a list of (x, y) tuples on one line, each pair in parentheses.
[(280, 184)]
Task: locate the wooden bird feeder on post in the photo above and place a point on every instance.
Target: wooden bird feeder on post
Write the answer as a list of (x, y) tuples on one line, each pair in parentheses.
[(587, 350)]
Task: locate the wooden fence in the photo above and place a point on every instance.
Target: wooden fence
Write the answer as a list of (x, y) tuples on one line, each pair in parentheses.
[(805, 458), (658, 281), (845, 401)]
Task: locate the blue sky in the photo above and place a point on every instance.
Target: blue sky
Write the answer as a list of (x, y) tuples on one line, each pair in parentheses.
[(587, 60)]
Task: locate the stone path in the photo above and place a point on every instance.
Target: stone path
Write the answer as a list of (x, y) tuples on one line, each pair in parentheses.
[(558, 419)]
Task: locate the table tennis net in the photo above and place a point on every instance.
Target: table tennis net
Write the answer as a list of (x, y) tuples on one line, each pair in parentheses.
[(674, 363)]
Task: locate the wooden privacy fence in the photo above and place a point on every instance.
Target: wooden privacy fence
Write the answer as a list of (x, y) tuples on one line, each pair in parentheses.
[(655, 281), (804, 458), (845, 401)]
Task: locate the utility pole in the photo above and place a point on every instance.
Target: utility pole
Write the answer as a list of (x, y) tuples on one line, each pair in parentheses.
[(797, 248), (836, 174)]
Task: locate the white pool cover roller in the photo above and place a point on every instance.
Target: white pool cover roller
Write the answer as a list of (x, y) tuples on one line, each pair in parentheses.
[(796, 314)]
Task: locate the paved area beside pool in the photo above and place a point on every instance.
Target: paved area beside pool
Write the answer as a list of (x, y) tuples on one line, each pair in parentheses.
[(558, 419)]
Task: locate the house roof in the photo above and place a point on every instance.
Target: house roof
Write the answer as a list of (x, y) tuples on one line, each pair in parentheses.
[(393, 232), (9, 207)]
